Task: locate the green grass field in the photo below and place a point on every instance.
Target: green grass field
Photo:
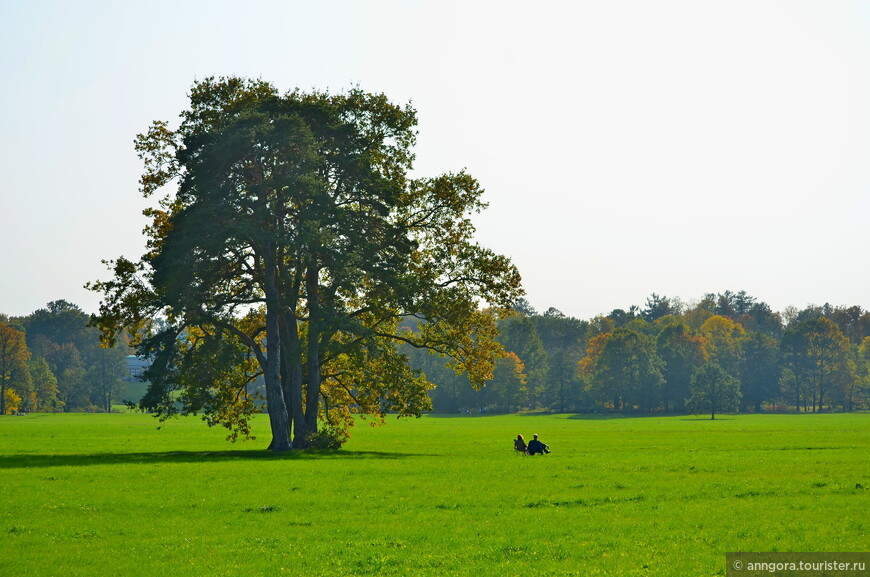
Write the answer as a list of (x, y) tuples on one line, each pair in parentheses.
[(113, 495)]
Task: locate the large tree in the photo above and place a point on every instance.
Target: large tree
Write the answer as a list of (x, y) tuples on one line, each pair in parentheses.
[(296, 239)]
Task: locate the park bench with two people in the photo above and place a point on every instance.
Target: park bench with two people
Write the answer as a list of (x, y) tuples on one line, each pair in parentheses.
[(535, 447)]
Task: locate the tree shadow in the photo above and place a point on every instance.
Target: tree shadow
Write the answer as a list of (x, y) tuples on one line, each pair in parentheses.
[(463, 415), (89, 459), (615, 416), (708, 419)]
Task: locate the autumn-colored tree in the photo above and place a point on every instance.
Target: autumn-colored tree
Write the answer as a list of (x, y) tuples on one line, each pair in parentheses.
[(11, 402), (300, 207), (594, 348), (724, 342), (13, 366)]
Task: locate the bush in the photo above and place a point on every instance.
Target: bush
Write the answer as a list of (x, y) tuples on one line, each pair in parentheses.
[(329, 438)]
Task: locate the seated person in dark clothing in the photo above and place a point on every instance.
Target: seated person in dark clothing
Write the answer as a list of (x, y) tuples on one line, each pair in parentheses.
[(536, 447), (520, 444)]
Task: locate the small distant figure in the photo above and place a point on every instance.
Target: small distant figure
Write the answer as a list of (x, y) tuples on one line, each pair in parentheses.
[(536, 447), (520, 444)]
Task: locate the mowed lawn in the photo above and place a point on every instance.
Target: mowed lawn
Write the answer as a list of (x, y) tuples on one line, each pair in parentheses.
[(113, 495)]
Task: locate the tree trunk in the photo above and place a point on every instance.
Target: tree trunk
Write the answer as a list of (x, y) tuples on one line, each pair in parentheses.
[(797, 398), (285, 375), (293, 384), (312, 396), (278, 417)]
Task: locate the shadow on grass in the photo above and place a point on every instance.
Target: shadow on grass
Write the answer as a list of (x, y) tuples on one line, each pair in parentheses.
[(615, 416), (88, 459), (464, 415), (584, 416)]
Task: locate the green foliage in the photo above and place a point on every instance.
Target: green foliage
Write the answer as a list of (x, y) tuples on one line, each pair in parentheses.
[(519, 335), (713, 390), (87, 374), (296, 233), (761, 370), (624, 370), (507, 392), (682, 353), (749, 345), (820, 362), (658, 307), (45, 386), (330, 438)]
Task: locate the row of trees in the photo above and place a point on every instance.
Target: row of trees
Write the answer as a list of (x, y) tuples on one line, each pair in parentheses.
[(728, 351), (51, 360)]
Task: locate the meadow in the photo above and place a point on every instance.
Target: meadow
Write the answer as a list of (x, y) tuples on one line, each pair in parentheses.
[(111, 494)]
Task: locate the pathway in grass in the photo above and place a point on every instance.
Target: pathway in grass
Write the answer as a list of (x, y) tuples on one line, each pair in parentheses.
[(112, 495)]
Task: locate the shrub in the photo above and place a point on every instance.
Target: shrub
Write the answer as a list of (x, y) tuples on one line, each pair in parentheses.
[(328, 437)]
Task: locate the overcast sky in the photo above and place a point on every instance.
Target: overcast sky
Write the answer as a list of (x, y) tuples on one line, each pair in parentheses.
[(626, 147)]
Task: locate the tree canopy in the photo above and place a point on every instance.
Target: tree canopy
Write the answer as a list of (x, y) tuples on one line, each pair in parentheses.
[(292, 247)]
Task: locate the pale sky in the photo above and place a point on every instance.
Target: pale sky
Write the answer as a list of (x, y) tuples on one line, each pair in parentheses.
[(626, 147)]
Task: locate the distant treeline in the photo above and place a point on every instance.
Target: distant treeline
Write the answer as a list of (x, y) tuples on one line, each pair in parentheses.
[(729, 351), (52, 361)]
